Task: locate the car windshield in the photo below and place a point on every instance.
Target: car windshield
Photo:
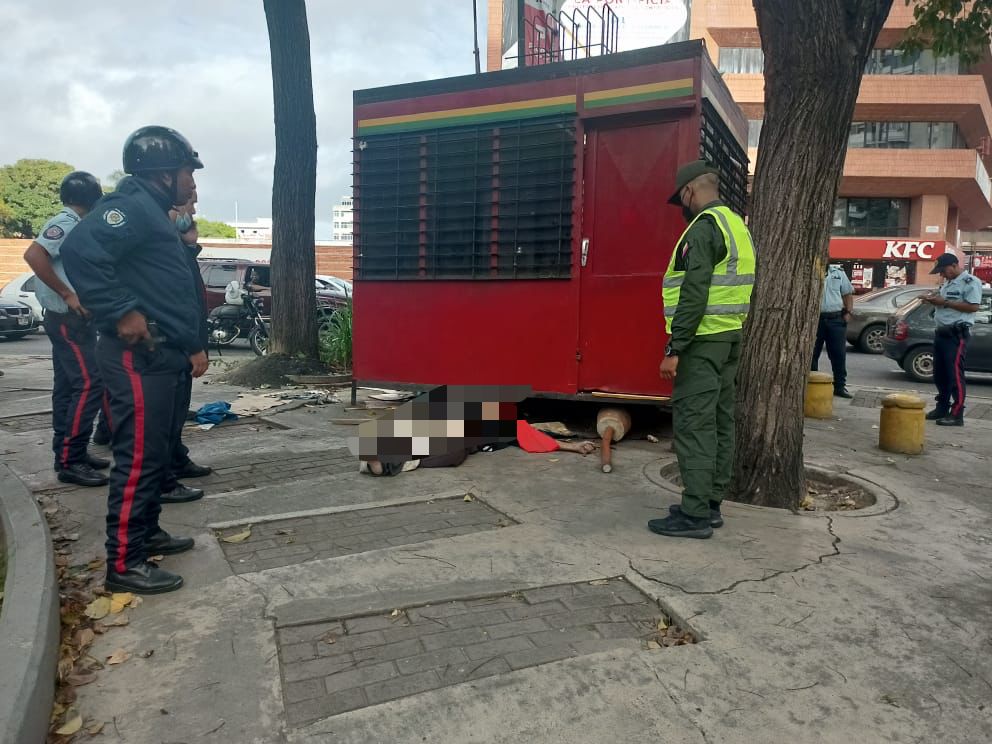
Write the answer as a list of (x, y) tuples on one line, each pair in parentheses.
[(877, 295), (909, 307)]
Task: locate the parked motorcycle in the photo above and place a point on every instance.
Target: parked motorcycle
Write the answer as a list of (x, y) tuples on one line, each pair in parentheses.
[(226, 323)]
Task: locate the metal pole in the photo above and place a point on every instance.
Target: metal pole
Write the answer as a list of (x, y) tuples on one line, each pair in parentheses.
[(521, 41), (475, 35)]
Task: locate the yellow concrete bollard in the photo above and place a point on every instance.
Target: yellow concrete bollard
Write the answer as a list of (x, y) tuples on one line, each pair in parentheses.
[(819, 402), (902, 425)]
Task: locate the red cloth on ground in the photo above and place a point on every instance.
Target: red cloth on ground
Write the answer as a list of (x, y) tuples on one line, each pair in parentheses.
[(532, 440)]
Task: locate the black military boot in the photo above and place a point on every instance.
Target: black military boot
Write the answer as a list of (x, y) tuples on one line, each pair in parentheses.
[(937, 413), (145, 578), (97, 463), (716, 518), (82, 474), (162, 543), (950, 420), (181, 494), (682, 525), (192, 470)]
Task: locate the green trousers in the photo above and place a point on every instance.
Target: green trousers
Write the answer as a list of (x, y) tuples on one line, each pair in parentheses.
[(703, 407)]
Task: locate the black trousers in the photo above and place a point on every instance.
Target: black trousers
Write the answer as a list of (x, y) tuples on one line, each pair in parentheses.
[(950, 350), (77, 389), (832, 333), (180, 452), (142, 387)]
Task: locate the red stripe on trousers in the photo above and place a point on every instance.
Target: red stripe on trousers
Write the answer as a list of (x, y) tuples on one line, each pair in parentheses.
[(958, 373), (137, 460), (81, 406)]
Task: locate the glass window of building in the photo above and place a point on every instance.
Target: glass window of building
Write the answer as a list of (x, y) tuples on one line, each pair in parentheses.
[(863, 217), (741, 60), (754, 131), (917, 135)]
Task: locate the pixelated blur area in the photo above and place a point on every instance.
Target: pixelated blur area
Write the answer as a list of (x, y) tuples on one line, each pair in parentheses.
[(443, 421)]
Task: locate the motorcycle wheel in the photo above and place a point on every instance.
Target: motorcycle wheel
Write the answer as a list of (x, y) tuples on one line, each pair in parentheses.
[(259, 341)]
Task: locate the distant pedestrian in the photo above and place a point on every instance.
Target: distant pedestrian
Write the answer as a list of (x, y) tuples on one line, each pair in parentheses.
[(130, 269), (76, 387), (836, 305), (707, 295), (956, 303)]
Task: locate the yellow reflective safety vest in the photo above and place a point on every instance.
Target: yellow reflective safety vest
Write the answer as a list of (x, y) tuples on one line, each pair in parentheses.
[(733, 277)]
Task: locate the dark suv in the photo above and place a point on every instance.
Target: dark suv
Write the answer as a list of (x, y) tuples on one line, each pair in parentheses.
[(217, 273), (909, 339)]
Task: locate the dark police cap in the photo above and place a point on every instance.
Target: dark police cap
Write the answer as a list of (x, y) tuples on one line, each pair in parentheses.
[(945, 260), (690, 172)]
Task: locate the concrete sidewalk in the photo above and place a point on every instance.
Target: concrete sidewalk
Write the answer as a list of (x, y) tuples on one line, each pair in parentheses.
[(393, 610)]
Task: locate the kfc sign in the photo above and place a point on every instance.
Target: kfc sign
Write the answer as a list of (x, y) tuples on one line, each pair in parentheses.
[(884, 249), (909, 249)]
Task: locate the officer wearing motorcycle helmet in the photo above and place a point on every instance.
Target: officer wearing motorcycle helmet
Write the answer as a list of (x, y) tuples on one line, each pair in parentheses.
[(76, 387), (130, 270)]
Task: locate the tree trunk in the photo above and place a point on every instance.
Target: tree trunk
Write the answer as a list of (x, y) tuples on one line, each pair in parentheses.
[(815, 56), (294, 182)]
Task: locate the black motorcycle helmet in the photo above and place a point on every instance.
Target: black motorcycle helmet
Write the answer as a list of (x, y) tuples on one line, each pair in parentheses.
[(80, 189), (155, 148)]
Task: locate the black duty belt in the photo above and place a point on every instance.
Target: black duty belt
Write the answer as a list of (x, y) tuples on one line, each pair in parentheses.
[(831, 316), (955, 330)]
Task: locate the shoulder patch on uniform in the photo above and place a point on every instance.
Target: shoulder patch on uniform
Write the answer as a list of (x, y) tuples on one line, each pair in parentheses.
[(54, 233), (114, 217)]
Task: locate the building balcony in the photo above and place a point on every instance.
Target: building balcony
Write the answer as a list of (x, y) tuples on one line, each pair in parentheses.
[(960, 175)]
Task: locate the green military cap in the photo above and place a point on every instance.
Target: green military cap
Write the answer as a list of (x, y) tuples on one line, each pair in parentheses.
[(690, 172)]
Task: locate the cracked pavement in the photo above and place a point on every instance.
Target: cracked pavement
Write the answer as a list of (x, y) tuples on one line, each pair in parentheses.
[(867, 625)]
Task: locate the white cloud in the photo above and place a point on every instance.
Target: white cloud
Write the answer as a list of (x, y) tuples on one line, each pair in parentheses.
[(76, 83)]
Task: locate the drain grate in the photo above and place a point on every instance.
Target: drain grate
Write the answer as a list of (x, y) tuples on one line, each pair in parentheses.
[(291, 541), (333, 667)]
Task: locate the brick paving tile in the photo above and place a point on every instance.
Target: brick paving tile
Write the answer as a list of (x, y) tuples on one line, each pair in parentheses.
[(301, 539), (382, 657), (407, 685), (360, 677), (323, 707)]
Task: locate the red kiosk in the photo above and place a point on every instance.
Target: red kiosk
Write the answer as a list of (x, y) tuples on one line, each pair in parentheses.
[(511, 228)]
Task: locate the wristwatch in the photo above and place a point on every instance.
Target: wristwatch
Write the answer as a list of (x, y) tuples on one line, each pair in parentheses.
[(669, 352)]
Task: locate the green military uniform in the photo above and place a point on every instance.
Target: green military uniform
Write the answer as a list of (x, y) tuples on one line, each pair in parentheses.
[(703, 399)]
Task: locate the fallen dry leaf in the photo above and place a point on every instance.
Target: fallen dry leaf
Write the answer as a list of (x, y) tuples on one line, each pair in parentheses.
[(119, 601), (81, 678), (73, 722), (807, 504), (238, 537), (395, 613), (662, 625), (653, 439), (61, 561), (84, 637), (653, 645), (95, 564), (156, 558), (599, 582), (147, 654), (135, 602), (286, 531), (57, 710), (51, 511), (116, 622), (95, 728), (118, 657), (98, 608), (329, 638), (469, 497)]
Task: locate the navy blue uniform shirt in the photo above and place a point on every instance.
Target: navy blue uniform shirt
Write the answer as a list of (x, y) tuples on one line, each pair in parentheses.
[(127, 255)]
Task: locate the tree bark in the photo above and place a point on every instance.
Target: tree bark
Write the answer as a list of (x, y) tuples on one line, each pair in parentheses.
[(294, 182), (815, 56)]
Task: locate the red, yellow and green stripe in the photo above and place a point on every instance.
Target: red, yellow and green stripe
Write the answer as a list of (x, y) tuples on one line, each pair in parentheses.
[(639, 93), (471, 115)]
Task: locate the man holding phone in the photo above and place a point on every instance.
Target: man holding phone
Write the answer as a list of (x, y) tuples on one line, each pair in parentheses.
[(955, 305)]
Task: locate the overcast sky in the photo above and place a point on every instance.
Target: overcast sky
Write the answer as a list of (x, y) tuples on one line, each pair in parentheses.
[(76, 79)]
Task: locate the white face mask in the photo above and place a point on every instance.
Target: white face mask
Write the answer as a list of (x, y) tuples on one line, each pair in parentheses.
[(184, 222)]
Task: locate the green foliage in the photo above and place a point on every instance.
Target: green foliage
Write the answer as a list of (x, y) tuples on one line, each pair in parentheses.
[(110, 182), (951, 27), (211, 229), (30, 190), (335, 339), (6, 216)]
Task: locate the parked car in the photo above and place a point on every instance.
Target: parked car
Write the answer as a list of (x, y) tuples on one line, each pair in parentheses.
[(337, 286), (866, 328), (909, 339), (217, 273), (16, 319), (21, 289)]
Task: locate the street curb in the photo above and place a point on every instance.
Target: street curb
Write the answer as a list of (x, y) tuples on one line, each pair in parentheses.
[(29, 624)]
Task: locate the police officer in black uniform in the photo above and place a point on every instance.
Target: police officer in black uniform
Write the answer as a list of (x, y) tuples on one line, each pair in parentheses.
[(129, 268)]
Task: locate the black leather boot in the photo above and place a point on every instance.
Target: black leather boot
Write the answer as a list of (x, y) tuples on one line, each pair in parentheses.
[(145, 578), (82, 474), (181, 494), (192, 470), (162, 543), (97, 463)]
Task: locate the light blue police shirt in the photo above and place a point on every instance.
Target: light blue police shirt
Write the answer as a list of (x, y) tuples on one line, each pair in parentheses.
[(835, 286), (51, 237), (962, 288)]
